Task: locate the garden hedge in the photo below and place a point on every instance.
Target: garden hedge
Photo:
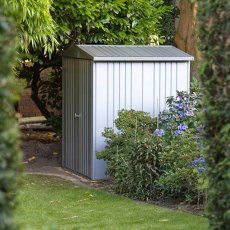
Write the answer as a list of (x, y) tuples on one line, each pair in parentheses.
[(214, 35), (9, 148)]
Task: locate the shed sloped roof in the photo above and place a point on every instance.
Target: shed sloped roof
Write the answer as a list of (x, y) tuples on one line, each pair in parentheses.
[(128, 53)]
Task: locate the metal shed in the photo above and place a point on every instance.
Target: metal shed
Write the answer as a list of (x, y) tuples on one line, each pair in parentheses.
[(99, 80)]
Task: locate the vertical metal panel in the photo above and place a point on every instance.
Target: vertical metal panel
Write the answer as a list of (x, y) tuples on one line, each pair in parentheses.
[(122, 85), (116, 88), (85, 112), (100, 114), (128, 82), (77, 131), (68, 116), (156, 87), (110, 86), (182, 76), (162, 96), (148, 86), (136, 86), (168, 79), (174, 78)]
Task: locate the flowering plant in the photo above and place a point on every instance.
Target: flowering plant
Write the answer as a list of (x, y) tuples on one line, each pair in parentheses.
[(181, 163), (181, 113)]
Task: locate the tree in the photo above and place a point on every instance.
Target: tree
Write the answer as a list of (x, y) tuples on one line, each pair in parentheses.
[(94, 22), (12, 36), (214, 35)]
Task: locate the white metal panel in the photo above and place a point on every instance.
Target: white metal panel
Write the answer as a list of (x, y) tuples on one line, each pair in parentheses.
[(174, 78), (168, 79), (128, 82), (162, 87), (148, 87), (122, 87), (116, 88), (101, 109), (136, 87), (182, 76), (156, 87), (110, 115)]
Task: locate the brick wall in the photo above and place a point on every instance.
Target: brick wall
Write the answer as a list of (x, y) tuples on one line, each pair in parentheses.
[(26, 106)]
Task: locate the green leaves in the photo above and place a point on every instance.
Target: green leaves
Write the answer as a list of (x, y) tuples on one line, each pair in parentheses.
[(36, 26), (214, 33), (132, 154), (109, 22), (10, 155)]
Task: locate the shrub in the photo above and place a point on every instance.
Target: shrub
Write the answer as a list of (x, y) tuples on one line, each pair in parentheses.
[(157, 158), (132, 154), (181, 145), (178, 179), (214, 37), (9, 147)]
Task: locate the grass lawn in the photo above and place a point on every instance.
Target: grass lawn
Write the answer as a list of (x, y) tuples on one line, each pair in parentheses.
[(52, 203)]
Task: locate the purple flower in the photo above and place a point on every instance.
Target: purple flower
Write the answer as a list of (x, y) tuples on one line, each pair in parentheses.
[(205, 110), (200, 164), (189, 113), (178, 105), (195, 162), (180, 97), (181, 113), (202, 160), (178, 132), (159, 132), (201, 169), (182, 127)]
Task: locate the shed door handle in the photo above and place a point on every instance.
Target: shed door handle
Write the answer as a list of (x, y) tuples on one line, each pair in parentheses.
[(77, 115)]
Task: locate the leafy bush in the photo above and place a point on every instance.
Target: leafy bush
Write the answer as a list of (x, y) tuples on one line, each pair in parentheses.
[(10, 155), (132, 154), (177, 176), (157, 158), (214, 38)]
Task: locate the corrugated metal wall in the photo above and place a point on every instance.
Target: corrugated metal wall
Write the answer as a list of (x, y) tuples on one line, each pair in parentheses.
[(77, 115), (68, 136), (131, 85), (96, 91)]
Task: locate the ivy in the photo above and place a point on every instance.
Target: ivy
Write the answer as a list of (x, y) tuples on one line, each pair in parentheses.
[(214, 34)]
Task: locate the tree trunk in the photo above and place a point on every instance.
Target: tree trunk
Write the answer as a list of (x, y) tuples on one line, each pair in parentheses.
[(186, 37), (35, 91)]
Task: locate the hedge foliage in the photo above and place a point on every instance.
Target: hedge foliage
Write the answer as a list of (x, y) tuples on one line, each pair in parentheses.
[(9, 148), (214, 34)]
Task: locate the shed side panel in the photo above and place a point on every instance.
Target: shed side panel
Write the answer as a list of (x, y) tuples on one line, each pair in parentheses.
[(131, 85)]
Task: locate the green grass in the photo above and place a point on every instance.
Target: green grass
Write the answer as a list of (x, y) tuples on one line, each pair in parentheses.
[(51, 203)]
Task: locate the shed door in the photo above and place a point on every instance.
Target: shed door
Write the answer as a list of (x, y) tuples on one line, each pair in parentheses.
[(77, 118), (82, 117)]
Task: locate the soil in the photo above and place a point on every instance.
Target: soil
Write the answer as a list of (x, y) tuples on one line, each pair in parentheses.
[(42, 155)]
